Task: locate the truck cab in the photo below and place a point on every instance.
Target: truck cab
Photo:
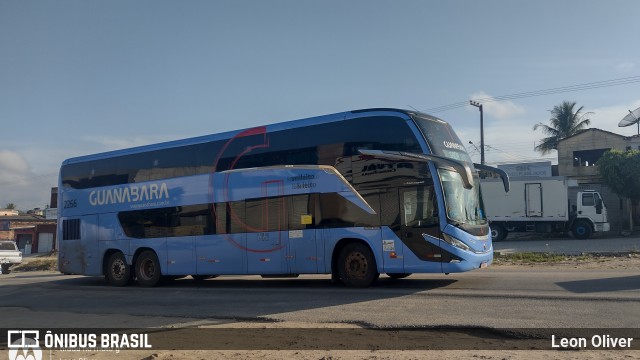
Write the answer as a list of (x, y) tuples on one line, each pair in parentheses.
[(589, 215)]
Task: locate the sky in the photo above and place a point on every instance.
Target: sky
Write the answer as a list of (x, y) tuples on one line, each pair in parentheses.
[(79, 77)]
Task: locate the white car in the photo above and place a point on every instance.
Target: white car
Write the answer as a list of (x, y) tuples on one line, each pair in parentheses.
[(9, 255)]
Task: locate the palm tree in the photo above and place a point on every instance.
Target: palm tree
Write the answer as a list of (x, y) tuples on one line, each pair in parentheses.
[(564, 123)]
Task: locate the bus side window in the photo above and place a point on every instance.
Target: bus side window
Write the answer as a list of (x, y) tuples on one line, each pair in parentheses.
[(337, 212), (301, 214)]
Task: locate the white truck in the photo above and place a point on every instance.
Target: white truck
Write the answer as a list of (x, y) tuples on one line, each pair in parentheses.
[(9, 255), (542, 205)]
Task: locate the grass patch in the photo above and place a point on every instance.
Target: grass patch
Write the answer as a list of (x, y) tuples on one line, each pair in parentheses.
[(46, 264), (534, 258)]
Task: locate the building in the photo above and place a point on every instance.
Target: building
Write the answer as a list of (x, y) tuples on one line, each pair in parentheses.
[(577, 158), (32, 233)]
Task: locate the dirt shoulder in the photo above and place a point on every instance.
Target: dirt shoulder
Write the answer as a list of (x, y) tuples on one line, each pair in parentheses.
[(550, 261)]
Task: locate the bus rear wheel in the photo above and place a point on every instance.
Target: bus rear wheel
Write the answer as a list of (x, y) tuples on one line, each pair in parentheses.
[(117, 271), (357, 265), (148, 269)]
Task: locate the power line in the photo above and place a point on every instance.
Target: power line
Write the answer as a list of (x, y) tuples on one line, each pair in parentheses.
[(557, 90)]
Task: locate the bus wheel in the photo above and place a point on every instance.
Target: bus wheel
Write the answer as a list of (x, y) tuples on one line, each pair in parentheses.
[(581, 229), (148, 269), (398, 275), (117, 272), (357, 266)]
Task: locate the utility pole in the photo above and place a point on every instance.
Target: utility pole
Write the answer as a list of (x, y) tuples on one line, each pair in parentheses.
[(479, 106)]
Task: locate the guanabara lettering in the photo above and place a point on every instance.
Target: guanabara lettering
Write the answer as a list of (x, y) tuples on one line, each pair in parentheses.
[(129, 194)]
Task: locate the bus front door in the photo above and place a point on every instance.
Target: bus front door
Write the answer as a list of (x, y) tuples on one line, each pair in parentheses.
[(420, 229), (267, 238), (302, 252)]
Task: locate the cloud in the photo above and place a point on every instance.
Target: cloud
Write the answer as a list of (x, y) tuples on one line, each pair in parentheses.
[(626, 66), (20, 185), (501, 110), (11, 162), (607, 118), (115, 143)]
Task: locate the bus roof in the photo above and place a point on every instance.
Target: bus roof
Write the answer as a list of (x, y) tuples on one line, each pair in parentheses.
[(228, 134)]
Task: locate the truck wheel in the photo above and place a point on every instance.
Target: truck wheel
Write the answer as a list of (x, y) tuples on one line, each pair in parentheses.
[(357, 265), (117, 271), (148, 269), (581, 229), (498, 232)]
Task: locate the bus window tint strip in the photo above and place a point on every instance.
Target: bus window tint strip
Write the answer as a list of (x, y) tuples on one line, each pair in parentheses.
[(310, 145), (262, 215)]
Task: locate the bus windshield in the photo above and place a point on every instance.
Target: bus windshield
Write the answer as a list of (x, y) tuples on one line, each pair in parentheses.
[(463, 206), (441, 138)]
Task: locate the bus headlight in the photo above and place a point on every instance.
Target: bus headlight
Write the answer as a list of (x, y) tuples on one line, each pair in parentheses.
[(455, 242)]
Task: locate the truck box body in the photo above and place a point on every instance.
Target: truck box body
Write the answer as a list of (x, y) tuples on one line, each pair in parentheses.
[(530, 199), (542, 205)]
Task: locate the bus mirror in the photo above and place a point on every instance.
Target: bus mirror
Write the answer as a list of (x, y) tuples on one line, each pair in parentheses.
[(459, 166), (503, 175)]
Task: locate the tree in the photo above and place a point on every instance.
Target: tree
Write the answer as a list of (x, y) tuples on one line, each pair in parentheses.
[(619, 171), (564, 122), (10, 206)]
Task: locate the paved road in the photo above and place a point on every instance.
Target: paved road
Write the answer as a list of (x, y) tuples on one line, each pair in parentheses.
[(569, 246), (500, 297)]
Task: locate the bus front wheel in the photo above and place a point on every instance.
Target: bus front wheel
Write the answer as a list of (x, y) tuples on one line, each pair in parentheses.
[(357, 266), (148, 269), (117, 272)]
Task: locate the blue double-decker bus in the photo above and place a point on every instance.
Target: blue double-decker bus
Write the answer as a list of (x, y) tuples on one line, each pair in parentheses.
[(353, 194)]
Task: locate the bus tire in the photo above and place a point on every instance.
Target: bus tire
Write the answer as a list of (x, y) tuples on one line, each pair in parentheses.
[(581, 229), (498, 232), (357, 265), (148, 271), (398, 275), (117, 271)]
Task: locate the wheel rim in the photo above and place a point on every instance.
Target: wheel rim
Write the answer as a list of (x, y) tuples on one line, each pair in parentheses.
[(581, 230), (118, 269), (147, 269), (494, 233), (356, 265)]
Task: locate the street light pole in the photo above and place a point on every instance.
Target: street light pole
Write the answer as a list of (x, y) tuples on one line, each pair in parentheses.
[(479, 106)]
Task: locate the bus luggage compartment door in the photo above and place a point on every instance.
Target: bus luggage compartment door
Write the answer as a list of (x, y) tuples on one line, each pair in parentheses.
[(79, 246)]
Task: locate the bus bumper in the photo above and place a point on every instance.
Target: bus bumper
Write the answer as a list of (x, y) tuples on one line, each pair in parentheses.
[(468, 261)]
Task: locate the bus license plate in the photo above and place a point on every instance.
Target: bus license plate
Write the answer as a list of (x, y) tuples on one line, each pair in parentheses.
[(483, 265)]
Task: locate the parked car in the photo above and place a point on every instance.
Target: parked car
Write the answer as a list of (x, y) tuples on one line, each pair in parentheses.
[(9, 255)]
